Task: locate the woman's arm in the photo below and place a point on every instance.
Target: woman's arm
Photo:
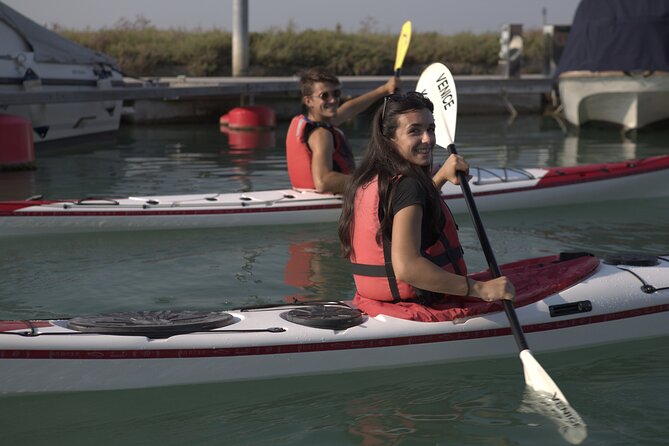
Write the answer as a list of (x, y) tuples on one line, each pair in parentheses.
[(411, 267)]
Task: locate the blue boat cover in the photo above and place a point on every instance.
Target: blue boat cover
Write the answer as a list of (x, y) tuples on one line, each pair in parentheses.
[(618, 35)]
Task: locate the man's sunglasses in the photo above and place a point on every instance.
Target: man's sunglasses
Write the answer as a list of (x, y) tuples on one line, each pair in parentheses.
[(326, 95)]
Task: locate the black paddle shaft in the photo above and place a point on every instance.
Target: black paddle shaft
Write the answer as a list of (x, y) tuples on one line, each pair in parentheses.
[(516, 329)]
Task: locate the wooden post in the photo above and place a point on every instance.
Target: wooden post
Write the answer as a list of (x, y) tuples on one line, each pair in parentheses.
[(240, 37)]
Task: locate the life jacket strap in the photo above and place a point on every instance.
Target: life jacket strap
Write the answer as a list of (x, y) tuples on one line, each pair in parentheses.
[(361, 269), (390, 272), (449, 256), (454, 253)]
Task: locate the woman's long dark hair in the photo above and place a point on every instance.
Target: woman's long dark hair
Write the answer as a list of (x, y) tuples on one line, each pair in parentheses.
[(382, 159)]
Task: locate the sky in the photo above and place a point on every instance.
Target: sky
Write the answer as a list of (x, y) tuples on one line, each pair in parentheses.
[(386, 16)]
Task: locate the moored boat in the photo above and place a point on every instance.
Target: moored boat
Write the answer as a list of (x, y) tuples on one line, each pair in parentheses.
[(35, 59), (495, 189), (614, 67), (630, 100), (566, 301)]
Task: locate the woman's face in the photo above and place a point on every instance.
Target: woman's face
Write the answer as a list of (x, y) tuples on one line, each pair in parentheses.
[(415, 136)]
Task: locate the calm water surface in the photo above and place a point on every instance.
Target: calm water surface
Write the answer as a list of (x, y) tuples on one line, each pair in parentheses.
[(621, 391)]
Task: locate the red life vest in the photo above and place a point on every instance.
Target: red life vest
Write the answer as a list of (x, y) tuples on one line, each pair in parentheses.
[(372, 267), (298, 153)]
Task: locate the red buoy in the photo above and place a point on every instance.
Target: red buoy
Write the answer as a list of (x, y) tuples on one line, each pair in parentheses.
[(252, 117), (16, 145)]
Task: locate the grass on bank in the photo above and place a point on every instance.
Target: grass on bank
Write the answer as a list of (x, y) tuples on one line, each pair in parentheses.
[(144, 50)]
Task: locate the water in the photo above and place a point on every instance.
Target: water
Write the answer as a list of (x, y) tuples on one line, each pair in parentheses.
[(621, 391)]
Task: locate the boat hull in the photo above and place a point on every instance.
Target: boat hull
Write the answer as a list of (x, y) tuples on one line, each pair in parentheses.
[(632, 102), (494, 189), (20, 72), (607, 306)]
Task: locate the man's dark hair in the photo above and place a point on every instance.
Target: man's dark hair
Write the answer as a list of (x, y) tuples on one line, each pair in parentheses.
[(310, 76)]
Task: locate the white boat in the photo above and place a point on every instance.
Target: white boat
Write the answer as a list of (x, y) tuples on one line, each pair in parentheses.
[(614, 67), (629, 100), (494, 188), (35, 59), (565, 301)]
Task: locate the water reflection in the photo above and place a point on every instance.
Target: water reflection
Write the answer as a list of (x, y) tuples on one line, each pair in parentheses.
[(17, 185), (538, 141), (470, 404), (243, 140), (243, 149), (618, 147), (316, 269)]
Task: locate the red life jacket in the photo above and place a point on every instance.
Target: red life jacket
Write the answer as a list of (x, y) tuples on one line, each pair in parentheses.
[(372, 267), (298, 153)]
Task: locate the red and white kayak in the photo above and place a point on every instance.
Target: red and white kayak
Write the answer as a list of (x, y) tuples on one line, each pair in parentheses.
[(495, 189), (564, 302)]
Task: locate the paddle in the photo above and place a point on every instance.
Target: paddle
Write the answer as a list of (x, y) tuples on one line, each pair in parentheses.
[(402, 46), (437, 83)]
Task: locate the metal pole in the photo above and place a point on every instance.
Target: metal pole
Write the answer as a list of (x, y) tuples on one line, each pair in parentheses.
[(240, 37)]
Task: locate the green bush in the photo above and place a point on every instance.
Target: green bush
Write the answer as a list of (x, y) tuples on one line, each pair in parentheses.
[(143, 50)]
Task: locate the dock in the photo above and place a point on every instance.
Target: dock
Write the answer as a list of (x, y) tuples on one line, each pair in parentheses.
[(150, 100)]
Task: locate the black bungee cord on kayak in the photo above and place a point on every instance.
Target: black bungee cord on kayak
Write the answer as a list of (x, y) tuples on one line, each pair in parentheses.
[(636, 260), (34, 332)]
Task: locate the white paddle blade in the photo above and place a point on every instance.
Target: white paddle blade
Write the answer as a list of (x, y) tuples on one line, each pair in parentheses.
[(546, 399), (569, 423), (436, 82), (537, 378)]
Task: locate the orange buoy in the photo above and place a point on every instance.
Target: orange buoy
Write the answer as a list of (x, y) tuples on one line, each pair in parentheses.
[(224, 120), (17, 150), (252, 117)]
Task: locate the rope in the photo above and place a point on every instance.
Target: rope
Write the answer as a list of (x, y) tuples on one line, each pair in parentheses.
[(645, 287)]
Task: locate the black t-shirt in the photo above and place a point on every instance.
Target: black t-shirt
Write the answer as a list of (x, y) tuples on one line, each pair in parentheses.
[(408, 192)]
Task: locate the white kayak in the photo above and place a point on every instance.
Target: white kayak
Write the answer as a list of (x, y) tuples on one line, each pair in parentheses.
[(495, 189), (566, 301)]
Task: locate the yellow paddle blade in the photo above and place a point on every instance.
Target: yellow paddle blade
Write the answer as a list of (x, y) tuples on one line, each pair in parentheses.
[(402, 45)]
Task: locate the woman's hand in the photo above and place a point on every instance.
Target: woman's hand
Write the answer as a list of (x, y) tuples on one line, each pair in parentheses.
[(492, 290), (449, 170)]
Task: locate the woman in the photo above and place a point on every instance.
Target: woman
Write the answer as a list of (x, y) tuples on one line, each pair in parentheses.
[(395, 228)]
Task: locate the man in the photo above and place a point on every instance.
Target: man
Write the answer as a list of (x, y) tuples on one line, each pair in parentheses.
[(317, 152)]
